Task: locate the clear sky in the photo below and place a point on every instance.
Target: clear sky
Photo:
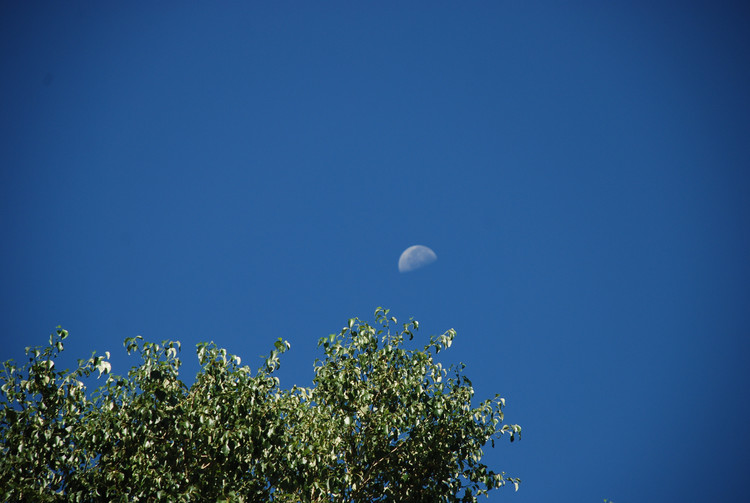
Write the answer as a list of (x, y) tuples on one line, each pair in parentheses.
[(242, 171)]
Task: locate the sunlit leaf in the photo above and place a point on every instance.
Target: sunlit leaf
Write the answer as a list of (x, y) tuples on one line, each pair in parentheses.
[(238, 436)]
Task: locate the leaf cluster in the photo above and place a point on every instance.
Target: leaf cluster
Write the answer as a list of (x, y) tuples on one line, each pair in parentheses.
[(380, 423)]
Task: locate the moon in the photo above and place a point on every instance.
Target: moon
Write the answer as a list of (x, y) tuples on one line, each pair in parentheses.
[(415, 257)]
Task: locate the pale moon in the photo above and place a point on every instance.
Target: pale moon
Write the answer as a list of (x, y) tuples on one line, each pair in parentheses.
[(415, 257)]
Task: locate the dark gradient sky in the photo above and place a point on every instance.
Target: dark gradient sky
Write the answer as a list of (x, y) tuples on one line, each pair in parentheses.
[(242, 171)]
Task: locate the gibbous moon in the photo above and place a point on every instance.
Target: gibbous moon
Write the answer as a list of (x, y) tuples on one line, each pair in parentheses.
[(415, 257)]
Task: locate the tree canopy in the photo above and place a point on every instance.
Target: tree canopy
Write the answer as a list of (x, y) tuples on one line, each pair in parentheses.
[(380, 423)]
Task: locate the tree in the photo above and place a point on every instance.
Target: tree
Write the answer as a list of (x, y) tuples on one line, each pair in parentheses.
[(381, 423)]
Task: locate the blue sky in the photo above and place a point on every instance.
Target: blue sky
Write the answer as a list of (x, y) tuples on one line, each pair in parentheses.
[(243, 171)]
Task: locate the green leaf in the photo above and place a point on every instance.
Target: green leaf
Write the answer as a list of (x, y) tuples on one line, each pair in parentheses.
[(143, 436)]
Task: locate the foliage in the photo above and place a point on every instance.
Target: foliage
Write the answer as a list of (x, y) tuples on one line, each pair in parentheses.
[(381, 423)]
